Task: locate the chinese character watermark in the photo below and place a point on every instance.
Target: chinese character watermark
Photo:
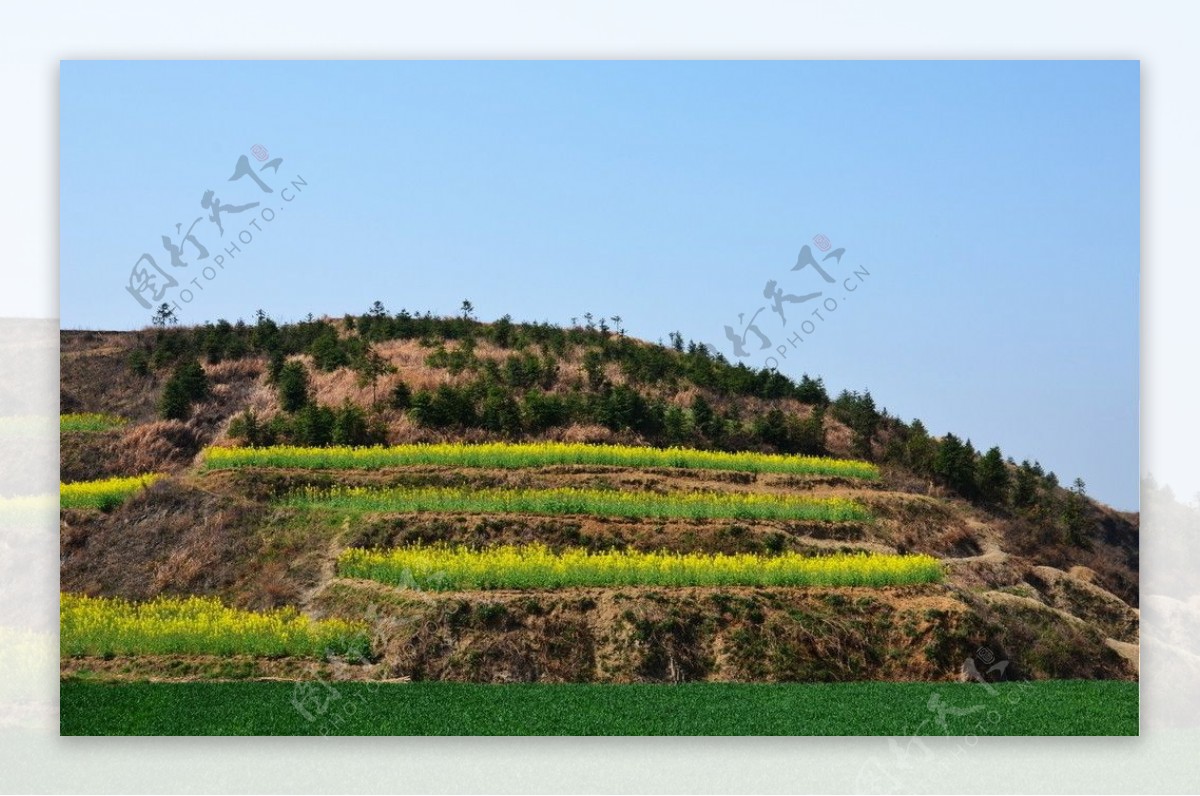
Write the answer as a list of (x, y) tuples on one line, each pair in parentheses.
[(186, 250), (749, 338)]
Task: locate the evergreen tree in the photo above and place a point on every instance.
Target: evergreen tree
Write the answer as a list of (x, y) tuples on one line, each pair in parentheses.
[(544, 410), (448, 407), (812, 391), (400, 397), (772, 429), (139, 362), (992, 478), (292, 386), (500, 413), (350, 426), (313, 425), (247, 428), (1075, 515), (327, 352), (188, 384), (675, 427), (174, 404), (265, 335), (810, 433), (858, 413), (195, 383), (1025, 489), (954, 464), (705, 419), (920, 449), (370, 365), (593, 366), (164, 316), (275, 363)]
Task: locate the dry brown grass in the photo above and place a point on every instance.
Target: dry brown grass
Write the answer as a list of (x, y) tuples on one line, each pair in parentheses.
[(235, 370), (692, 634), (161, 446), (94, 376), (958, 541), (168, 538), (587, 433)]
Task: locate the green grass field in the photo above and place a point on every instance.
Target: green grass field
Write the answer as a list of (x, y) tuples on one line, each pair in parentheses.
[(1064, 707), (594, 502), (89, 422)]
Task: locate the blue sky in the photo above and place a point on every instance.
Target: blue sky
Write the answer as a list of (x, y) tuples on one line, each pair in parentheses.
[(995, 206)]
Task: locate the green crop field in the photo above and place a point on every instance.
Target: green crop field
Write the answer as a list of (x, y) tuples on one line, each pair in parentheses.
[(89, 422), (597, 502), (535, 566), (534, 454), (1060, 707)]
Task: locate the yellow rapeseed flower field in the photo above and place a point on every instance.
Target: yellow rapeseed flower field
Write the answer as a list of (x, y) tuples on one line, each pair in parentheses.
[(600, 502), (443, 568), (199, 626), (104, 494), (530, 454)]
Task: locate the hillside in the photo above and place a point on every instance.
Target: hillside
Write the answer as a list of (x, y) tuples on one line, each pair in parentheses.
[(1036, 574)]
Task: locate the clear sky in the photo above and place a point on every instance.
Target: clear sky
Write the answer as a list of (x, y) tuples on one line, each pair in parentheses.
[(993, 206)]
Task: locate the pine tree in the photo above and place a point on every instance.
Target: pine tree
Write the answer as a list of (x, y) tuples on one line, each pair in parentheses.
[(1025, 490), (772, 429), (195, 383), (349, 426), (369, 366), (327, 352), (954, 464), (174, 404), (859, 414), (675, 425), (401, 396), (500, 413), (919, 449), (992, 477), (313, 425), (705, 418), (812, 391), (188, 384), (292, 386), (164, 316), (1075, 515), (810, 433)]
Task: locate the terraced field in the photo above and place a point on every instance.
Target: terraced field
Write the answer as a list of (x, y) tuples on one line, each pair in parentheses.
[(510, 455), (91, 627), (535, 566), (103, 494), (543, 564)]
